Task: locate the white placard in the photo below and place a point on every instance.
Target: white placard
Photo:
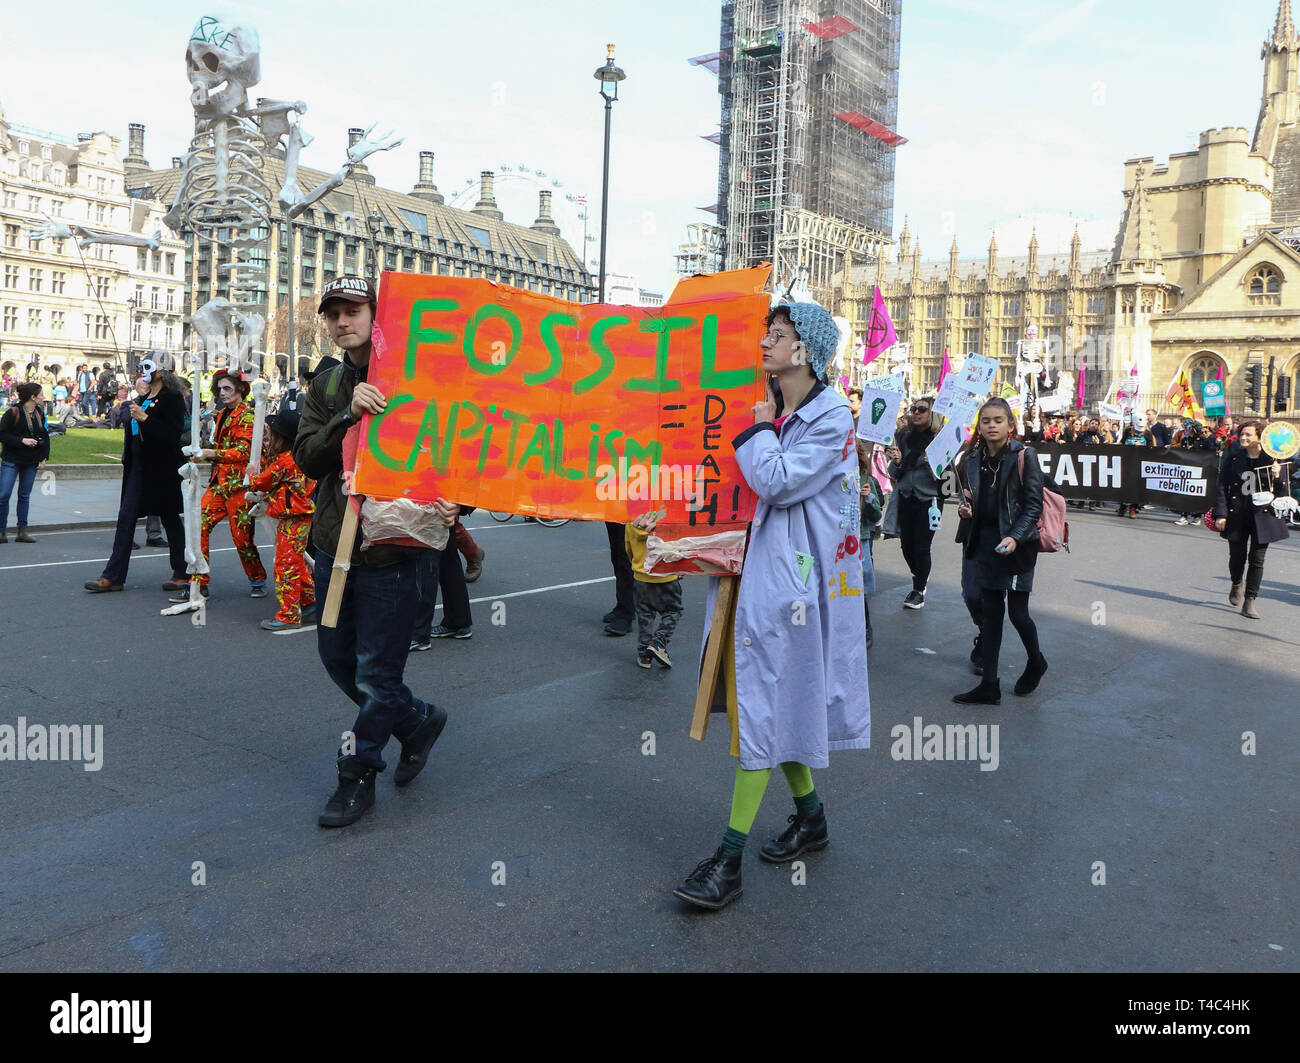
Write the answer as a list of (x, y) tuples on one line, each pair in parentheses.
[(951, 391), (879, 415), (953, 434), (887, 382), (1111, 413), (977, 373)]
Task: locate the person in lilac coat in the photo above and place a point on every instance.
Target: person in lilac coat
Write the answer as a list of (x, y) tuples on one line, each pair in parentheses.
[(794, 675)]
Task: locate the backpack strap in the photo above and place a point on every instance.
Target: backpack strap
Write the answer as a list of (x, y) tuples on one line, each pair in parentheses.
[(332, 386)]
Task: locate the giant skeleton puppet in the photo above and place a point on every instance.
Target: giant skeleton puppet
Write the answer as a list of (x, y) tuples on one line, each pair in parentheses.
[(224, 199)]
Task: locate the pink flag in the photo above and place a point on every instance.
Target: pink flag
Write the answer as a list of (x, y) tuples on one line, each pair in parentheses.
[(1078, 395), (944, 369), (880, 330)]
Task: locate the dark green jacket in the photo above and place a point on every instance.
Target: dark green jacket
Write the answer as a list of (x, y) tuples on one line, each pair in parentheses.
[(318, 452)]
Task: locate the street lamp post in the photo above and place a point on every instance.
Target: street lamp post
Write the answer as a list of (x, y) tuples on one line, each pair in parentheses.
[(609, 76)]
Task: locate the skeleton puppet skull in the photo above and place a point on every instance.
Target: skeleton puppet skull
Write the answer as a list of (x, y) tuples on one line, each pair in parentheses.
[(223, 60)]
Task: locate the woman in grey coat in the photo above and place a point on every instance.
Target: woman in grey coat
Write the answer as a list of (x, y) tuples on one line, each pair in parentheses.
[(794, 676)]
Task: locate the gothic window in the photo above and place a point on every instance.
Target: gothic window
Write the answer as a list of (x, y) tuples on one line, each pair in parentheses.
[(1202, 368), (1265, 286)]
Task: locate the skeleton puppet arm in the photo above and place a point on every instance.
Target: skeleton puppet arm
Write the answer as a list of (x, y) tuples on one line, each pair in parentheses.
[(358, 153)]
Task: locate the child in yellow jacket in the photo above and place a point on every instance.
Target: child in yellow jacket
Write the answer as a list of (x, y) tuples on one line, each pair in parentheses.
[(288, 494), (656, 596)]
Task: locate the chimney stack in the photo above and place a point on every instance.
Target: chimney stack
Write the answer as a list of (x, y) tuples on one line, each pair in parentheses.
[(487, 203), (178, 163), (360, 171), (135, 162), (425, 188), (545, 223)]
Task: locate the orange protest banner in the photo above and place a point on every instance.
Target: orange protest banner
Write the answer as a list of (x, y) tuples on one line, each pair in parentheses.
[(513, 400)]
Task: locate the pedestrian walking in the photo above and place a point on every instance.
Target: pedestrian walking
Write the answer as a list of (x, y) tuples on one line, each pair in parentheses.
[(794, 668), (658, 598), (916, 494), (1006, 499), (365, 654), (151, 483), (24, 449), (1248, 481), (442, 572)]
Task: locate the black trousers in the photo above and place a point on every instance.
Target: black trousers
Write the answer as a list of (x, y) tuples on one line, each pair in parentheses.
[(992, 610), (440, 569), (127, 515), (915, 537), (1247, 549), (625, 606)]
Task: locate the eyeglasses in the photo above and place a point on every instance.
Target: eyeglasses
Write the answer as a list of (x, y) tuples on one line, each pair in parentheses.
[(920, 407)]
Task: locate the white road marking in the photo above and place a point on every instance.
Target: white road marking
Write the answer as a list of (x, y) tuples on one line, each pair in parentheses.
[(136, 556), (540, 590)]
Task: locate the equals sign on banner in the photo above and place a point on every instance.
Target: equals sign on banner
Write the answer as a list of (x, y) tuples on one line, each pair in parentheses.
[(674, 424)]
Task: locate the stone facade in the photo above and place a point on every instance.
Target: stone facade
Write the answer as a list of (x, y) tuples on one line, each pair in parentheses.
[(1204, 273), (61, 306)]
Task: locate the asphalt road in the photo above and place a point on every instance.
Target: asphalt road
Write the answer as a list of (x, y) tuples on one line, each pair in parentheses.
[(218, 747)]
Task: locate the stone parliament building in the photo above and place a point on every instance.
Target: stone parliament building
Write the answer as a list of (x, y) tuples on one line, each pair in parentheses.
[(1204, 274)]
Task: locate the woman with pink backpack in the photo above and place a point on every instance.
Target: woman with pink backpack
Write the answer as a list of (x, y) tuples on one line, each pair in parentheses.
[(1004, 501)]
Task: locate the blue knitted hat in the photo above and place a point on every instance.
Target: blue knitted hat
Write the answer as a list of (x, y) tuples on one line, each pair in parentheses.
[(817, 332)]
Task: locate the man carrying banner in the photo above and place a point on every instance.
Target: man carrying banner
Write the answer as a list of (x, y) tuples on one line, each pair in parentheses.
[(366, 653)]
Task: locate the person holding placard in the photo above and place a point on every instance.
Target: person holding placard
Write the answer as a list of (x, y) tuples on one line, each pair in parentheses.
[(794, 669), (1005, 500), (1248, 479), (916, 494)]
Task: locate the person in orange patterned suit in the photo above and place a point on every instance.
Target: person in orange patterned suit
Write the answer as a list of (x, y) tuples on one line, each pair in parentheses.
[(288, 492), (232, 442)]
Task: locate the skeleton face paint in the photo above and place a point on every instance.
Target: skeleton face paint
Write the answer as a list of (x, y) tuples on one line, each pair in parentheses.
[(146, 371), (222, 60)]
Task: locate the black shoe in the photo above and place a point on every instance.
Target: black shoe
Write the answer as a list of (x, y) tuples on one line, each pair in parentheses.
[(1028, 681), (442, 631), (714, 883), (987, 693), (976, 656), (417, 645), (135, 546), (184, 595), (618, 628), (616, 616), (870, 638), (349, 802), (805, 834), (415, 750), (914, 600), (155, 542)]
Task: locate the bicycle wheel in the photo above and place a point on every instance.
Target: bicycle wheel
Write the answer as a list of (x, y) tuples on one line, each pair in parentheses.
[(497, 515), (552, 522)]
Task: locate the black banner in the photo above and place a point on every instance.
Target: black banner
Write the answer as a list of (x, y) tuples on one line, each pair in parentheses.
[(1181, 480)]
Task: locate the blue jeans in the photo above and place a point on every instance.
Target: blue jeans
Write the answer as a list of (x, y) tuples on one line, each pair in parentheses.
[(24, 476), (88, 407), (366, 653)]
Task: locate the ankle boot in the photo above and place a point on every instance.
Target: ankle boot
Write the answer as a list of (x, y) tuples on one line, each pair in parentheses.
[(714, 883), (1029, 678), (805, 834), (1234, 595), (1248, 610), (989, 692), (23, 537), (976, 657)]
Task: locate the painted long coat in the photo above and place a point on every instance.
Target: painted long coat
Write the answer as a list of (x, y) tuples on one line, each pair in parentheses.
[(801, 688)]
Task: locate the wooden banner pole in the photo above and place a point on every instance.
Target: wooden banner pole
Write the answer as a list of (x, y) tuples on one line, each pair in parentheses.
[(329, 616), (712, 665)]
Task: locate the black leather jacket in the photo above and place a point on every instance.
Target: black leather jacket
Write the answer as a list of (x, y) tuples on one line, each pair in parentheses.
[(1020, 504)]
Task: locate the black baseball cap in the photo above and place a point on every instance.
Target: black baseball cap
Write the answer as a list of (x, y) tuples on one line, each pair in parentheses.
[(353, 289)]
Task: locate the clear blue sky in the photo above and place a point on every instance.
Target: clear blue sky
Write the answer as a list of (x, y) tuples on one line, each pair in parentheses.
[(1010, 108)]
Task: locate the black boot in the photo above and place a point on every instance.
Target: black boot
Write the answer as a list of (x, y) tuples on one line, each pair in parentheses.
[(349, 802), (1028, 681), (976, 663), (714, 883), (415, 750), (989, 692), (805, 834)]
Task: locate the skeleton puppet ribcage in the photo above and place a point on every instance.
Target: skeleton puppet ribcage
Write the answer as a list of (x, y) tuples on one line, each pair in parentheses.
[(229, 203)]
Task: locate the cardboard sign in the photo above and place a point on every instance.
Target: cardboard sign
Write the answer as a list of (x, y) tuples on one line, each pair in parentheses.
[(879, 415), (950, 392), (955, 431), (1109, 412), (511, 400), (888, 382), (977, 373)]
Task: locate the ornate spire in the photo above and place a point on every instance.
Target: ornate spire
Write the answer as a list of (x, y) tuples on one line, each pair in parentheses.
[(1032, 269), (993, 255), (904, 241), (1137, 241), (1283, 27), (1076, 246)]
